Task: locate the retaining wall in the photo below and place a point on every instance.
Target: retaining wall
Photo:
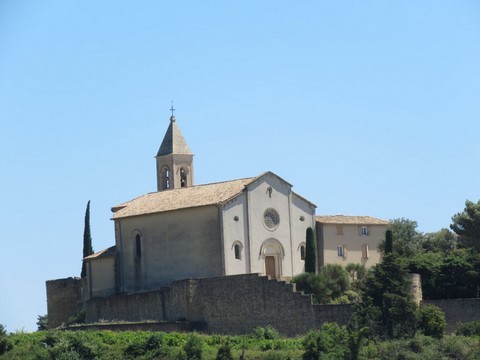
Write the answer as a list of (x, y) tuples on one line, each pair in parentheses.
[(457, 310), (228, 304)]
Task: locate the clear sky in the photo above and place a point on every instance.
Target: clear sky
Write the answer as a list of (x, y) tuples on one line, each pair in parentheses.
[(366, 107)]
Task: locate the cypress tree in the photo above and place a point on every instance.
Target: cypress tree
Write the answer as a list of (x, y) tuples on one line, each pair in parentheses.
[(388, 242), (310, 253), (87, 240)]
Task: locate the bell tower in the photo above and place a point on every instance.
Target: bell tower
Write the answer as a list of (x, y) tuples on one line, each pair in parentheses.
[(174, 159)]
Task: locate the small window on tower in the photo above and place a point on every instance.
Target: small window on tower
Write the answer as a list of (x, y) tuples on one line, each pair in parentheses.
[(165, 178), (302, 252), (183, 177)]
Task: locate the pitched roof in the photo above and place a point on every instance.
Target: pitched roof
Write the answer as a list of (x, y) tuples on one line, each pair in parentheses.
[(182, 198), (108, 252), (173, 141), (350, 220)]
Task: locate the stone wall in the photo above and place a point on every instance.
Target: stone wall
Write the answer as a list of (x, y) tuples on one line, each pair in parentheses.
[(65, 299), (228, 304), (457, 310), (131, 307)]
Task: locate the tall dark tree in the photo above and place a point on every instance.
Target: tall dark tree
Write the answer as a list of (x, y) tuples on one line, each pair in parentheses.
[(466, 225), (87, 240), (388, 242), (388, 298), (310, 252)]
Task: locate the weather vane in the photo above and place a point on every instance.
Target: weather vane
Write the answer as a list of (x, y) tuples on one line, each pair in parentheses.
[(171, 108)]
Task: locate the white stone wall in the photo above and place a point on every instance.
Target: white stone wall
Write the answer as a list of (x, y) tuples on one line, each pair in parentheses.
[(235, 222)]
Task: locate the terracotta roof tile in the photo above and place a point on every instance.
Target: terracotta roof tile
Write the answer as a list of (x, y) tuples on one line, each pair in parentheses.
[(108, 252), (175, 199), (353, 220)]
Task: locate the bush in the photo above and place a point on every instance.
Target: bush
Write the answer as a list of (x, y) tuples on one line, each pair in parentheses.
[(471, 328), (225, 351), (330, 342), (194, 347), (431, 321), (331, 282), (267, 333)]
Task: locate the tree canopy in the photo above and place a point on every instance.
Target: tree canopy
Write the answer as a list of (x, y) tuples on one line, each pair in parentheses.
[(466, 225)]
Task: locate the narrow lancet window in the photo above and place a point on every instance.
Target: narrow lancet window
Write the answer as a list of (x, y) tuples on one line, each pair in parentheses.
[(165, 178), (183, 178), (138, 246)]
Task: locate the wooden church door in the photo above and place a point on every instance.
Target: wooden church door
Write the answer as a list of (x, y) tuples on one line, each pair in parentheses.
[(270, 267)]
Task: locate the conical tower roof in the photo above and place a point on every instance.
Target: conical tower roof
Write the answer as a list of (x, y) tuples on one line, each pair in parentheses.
[(173, 141)]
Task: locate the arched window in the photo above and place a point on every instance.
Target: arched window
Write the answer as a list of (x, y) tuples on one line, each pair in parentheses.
[(237, 249), (302, 252), (183, 177), (165, 178), (138, 246)]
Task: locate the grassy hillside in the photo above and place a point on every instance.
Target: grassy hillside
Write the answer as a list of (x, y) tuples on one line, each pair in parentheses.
[(264, 343)]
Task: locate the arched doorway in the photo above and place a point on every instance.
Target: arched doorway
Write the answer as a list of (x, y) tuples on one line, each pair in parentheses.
[(272, 254)]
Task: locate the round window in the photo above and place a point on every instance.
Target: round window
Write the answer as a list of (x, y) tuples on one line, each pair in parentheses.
[(271, 219)]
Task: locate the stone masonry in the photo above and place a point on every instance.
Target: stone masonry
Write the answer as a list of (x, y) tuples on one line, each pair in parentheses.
[(228, 304)]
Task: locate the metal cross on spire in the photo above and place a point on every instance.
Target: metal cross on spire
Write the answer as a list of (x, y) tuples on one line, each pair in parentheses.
[(171, 108)]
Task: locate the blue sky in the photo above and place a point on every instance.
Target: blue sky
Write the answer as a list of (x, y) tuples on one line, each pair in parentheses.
[(366, 107)]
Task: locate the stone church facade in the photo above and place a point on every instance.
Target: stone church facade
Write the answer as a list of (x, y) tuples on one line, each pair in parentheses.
[(181, 231)]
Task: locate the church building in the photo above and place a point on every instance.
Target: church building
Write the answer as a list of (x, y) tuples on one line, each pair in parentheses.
[(243, 226)]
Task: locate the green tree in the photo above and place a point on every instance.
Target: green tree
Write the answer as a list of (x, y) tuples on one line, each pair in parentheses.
[(440, 241), (388, 242), (451, 275), (388, 288), (87, 240), (406, 238), (466, 225), (5, 344), (42, 322), (310, 252)]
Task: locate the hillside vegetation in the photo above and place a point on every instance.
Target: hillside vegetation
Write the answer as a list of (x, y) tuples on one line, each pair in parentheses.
[(330, 342)]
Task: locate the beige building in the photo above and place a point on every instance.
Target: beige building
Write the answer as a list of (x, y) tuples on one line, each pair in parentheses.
[(250, 225), (349, 239)]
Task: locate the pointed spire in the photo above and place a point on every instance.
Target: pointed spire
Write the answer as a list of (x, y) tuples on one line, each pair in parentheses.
[(173, 141)]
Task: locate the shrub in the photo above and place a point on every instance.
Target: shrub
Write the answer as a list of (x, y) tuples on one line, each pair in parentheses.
[(471, 328), (331, 282), (194, 347), (225, 351), (431, 321), (267, 333), (330, 342)]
